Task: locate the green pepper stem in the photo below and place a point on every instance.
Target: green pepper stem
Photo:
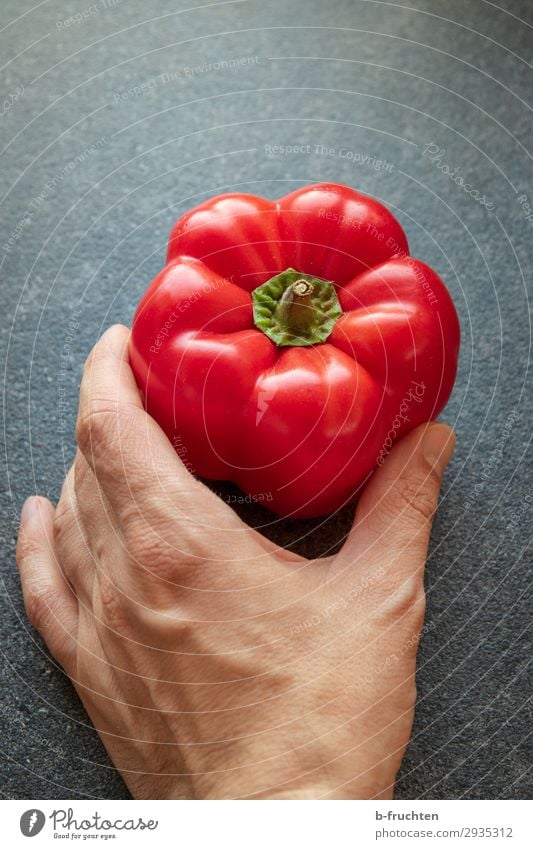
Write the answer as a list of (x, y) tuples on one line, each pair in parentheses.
[(295, 310)]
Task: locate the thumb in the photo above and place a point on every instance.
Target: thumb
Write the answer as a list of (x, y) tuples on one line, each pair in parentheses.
[(395, 511)]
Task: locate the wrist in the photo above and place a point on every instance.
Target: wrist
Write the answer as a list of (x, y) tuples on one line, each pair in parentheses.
[(268, 783), (313, 762)]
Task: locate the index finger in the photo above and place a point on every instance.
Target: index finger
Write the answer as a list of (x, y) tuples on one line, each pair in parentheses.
[(133, 460)]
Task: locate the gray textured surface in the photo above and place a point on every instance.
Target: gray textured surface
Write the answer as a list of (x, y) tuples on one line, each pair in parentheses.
[(378, 79)]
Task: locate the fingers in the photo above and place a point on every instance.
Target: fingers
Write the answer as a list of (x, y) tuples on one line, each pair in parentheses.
[(51, 606), (395, 512), (133, 460), (79, 528), (111, 414)]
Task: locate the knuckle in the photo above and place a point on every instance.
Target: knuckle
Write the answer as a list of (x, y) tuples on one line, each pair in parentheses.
[(45, 608), (407, 602), (41, 602), (408, 695), (83, 473), (158, 558), (96, 425), (27, 548), (415, 496), (162, 628), (418, 607), (61, 522), (161, 567), (112, 609)]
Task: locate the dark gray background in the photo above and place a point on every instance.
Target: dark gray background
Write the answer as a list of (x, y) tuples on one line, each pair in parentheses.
[(378, 79)]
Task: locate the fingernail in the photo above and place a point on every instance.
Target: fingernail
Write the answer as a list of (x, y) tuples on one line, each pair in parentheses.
[(438, 445), (29, 510)]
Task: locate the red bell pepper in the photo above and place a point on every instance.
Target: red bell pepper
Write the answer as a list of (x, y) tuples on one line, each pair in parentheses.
[(286, 345)]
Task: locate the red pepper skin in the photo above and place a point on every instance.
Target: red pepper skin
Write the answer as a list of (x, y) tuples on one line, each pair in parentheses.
[(299, 429)]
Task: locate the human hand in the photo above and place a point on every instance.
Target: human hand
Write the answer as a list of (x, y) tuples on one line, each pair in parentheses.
[(212, 663)]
